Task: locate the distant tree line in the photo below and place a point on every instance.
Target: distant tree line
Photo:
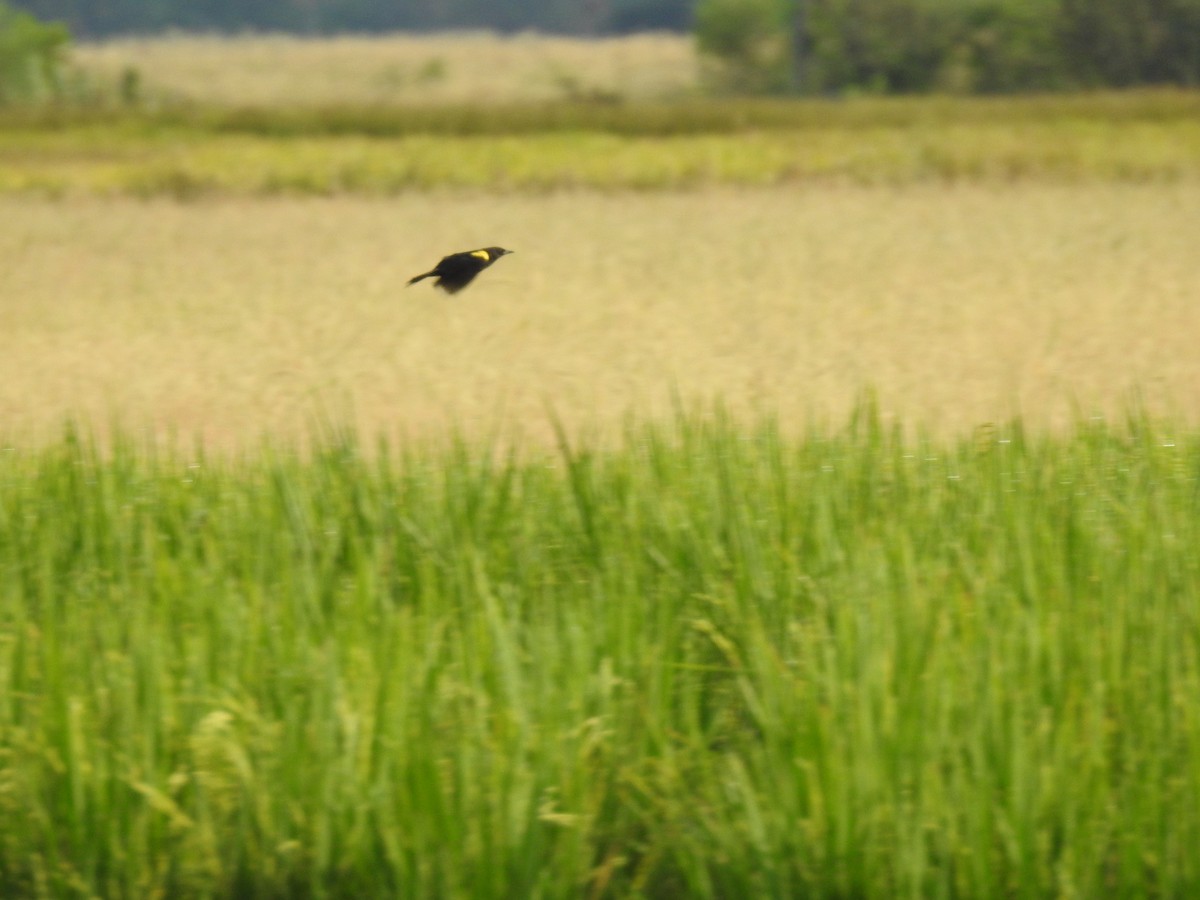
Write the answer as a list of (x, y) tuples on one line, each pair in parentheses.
[(760, 46), (966, 46), (102, 18)]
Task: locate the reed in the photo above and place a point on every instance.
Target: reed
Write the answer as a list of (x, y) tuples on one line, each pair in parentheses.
[(712, 660)]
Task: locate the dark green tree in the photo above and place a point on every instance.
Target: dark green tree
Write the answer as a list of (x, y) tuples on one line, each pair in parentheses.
[(30, 57), (748, 43), (1129, 42), (835, 46)]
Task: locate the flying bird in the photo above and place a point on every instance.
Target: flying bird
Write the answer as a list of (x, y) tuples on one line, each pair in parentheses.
[(458, 270)]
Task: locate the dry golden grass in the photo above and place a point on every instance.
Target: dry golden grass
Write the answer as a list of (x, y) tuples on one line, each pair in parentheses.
[(278, 70), (961, 306)]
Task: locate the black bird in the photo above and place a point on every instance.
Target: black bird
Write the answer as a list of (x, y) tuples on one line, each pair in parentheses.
[(458, 270)]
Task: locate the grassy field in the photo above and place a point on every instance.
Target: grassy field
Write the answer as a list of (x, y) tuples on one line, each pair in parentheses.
[(235, 318), (276, 116), (602, 578), (184, 164), (184, 153), (711, 661), (426, 70)]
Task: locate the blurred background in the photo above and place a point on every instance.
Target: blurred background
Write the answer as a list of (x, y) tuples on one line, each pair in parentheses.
[(798, 46), (968, 208)]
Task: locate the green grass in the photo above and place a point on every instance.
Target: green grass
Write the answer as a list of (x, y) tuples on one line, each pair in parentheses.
[(712, 660), (660, 118), (1109, 137)]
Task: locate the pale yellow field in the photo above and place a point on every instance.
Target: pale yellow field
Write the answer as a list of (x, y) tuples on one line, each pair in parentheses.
[(457, 68), (232, 319)]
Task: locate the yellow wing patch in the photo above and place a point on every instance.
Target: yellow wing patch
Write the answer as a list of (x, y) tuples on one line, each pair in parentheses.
[(481, 254)]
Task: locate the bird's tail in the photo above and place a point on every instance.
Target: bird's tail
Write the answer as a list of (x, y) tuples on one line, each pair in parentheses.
[(417, 278)]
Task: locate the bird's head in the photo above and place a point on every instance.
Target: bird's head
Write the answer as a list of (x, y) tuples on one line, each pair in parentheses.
[(497, 252)]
